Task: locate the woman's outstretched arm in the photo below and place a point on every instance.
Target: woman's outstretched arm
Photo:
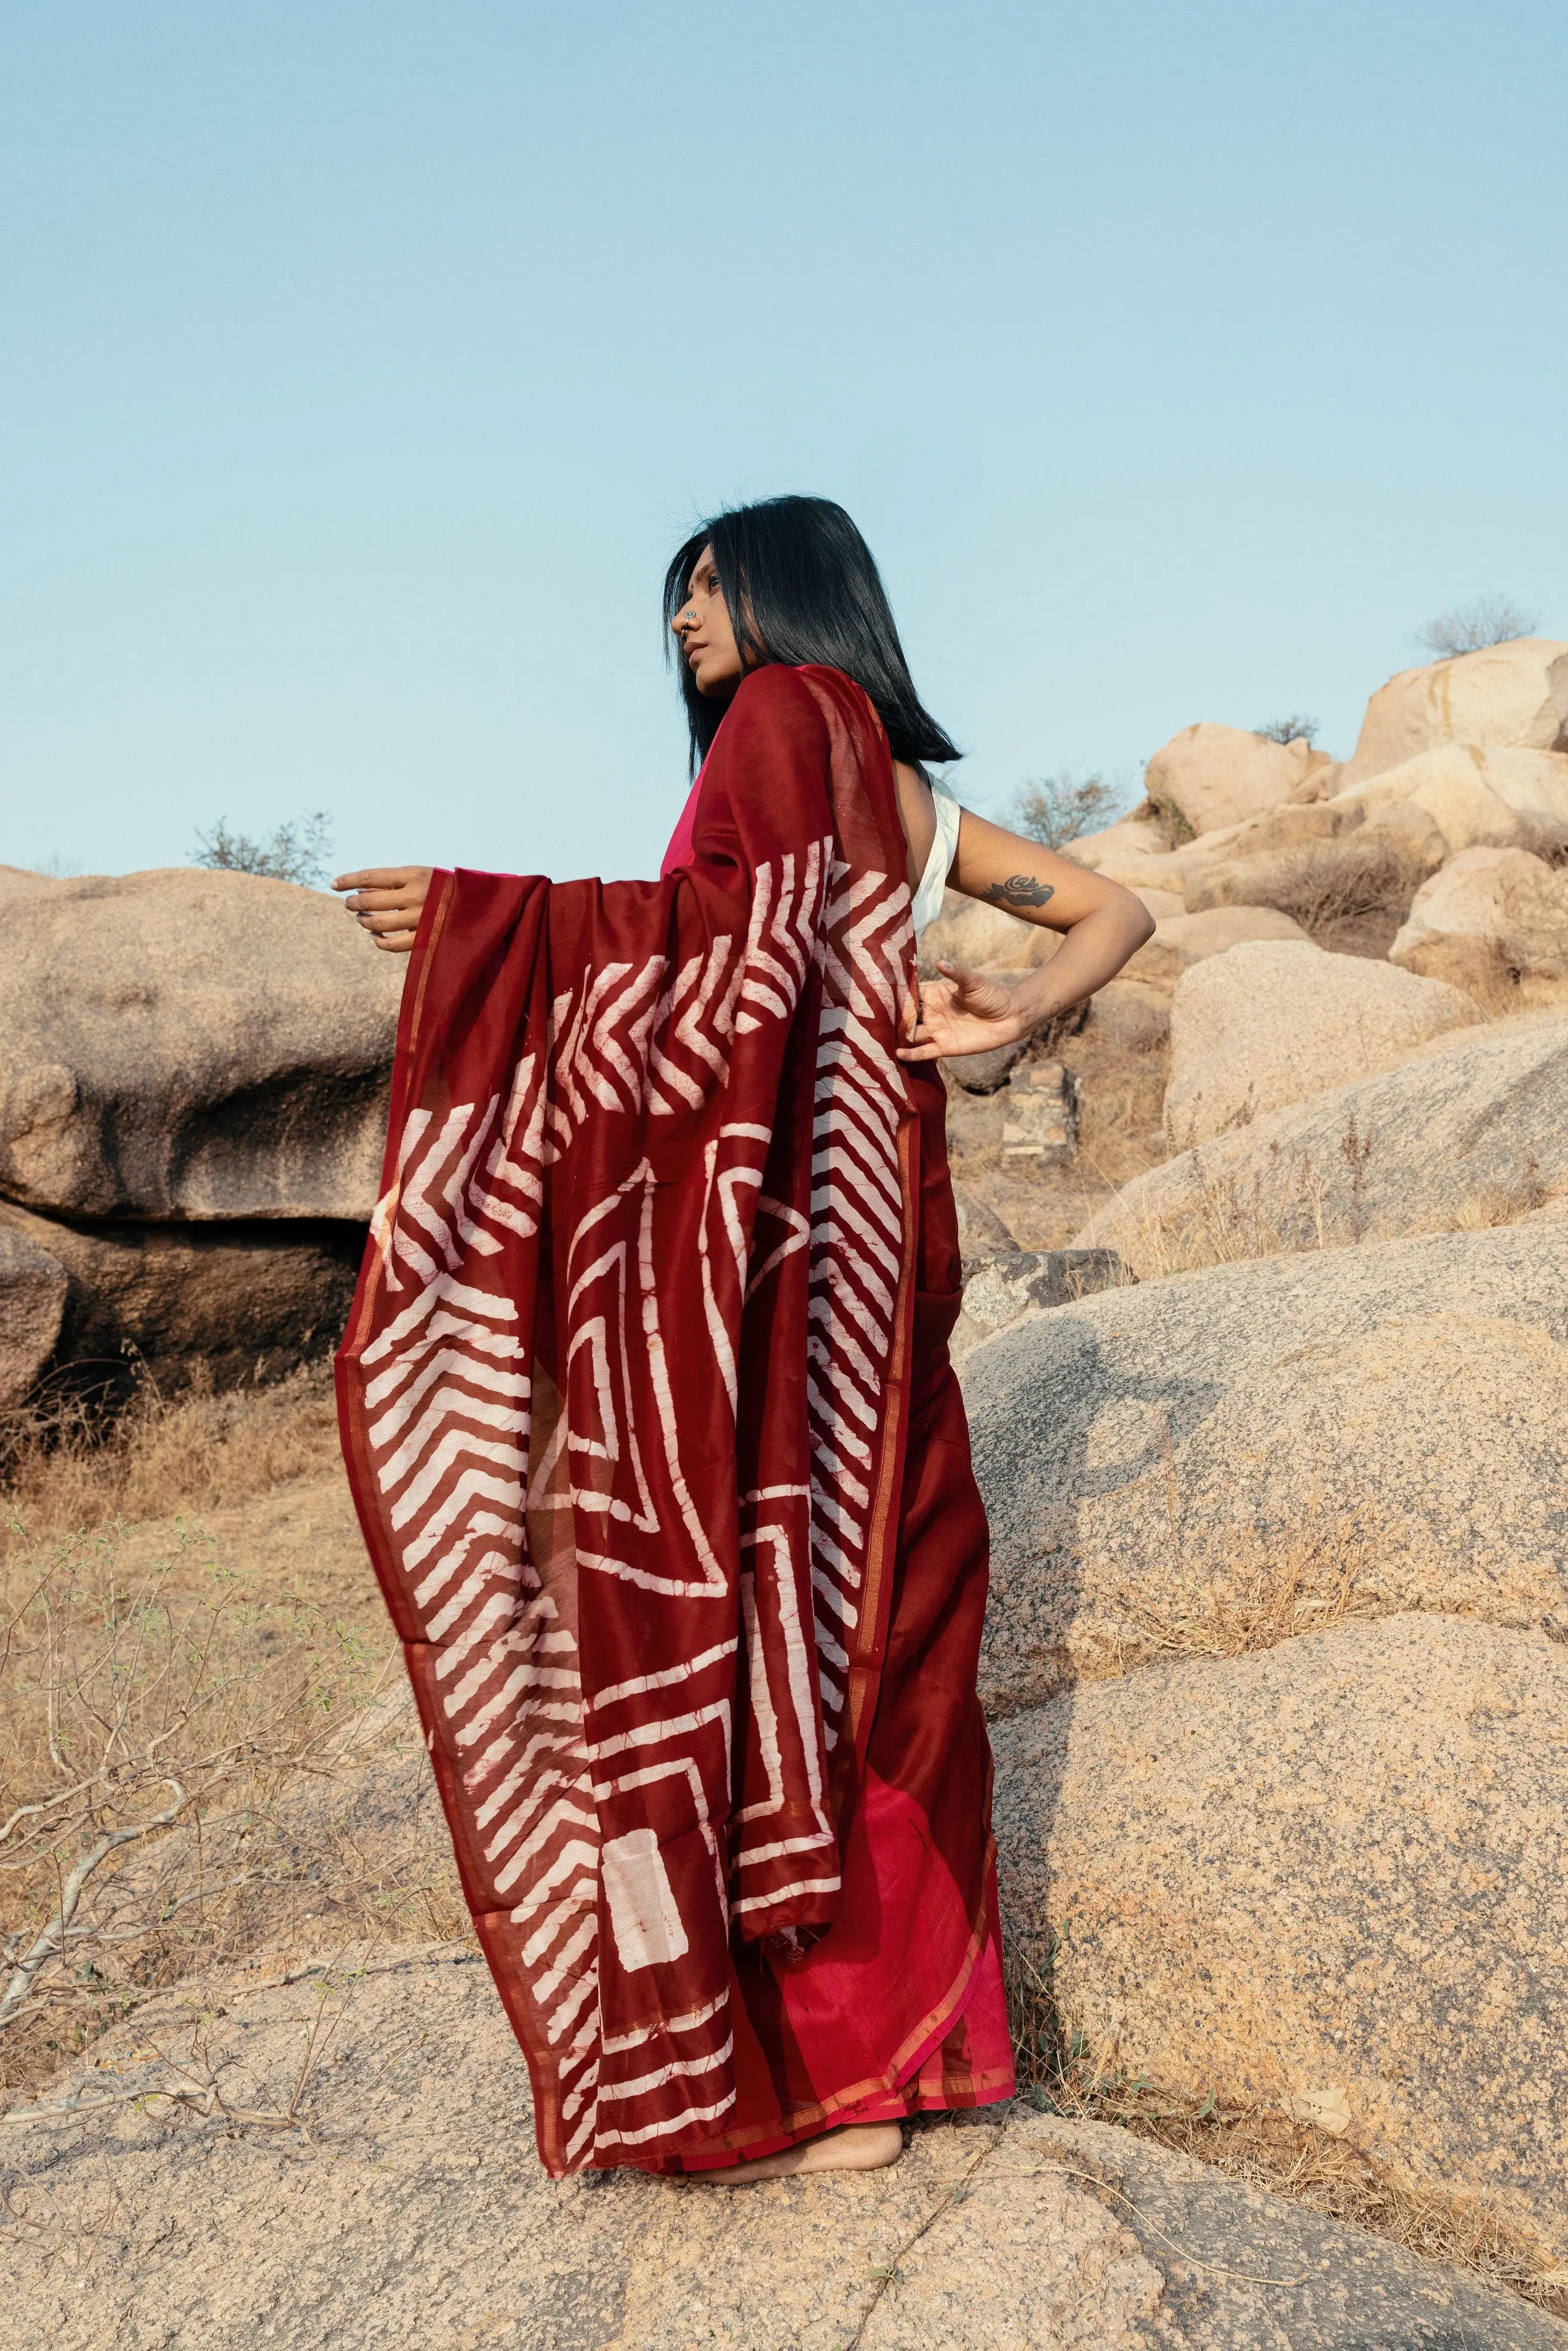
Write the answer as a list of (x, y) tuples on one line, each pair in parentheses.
[(387, 902), (962, 1011)]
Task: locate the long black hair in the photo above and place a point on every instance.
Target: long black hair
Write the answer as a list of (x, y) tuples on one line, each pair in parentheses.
[(802, 585)]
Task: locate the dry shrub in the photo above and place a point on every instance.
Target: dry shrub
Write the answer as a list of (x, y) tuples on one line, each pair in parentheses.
[(1267, 1592), (1471, 628), (178, 1768), (1058, 2073), (1325, 884), (1545, 837), (65, 1469), (1121, 1106), (1167, 820)]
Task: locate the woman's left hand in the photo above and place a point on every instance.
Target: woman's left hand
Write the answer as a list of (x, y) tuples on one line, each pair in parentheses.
[(962, 1012), (388, 901)]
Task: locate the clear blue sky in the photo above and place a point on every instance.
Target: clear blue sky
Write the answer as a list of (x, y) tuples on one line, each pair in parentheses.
[(363, 365)]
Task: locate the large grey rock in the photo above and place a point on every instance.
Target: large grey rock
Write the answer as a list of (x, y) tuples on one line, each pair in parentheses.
[(981, 1231), (1492, 920), (1471, 1130), (1330, 1878), (32, 1302), (1472, 795), (1130, 839), (1276, 1021), (415, 2214), (1189, 939), (1003, 1290), (192, 1045), (1513, 694), (21, 882), (1130, 1013), (985, 1073), (983, 939), (239, 1297), (1214, 776), (1227, 1456)]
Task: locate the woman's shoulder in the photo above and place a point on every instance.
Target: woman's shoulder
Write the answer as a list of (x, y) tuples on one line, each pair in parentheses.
[(782, 683), (778, 696)]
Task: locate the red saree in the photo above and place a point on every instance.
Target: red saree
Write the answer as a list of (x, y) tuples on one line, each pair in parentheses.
[(653, 1439)]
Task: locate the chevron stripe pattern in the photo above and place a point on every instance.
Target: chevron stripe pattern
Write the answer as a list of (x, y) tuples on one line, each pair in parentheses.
[(584, 1608)]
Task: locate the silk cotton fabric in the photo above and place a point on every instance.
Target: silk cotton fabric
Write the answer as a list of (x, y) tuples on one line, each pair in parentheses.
[(656, 1292)]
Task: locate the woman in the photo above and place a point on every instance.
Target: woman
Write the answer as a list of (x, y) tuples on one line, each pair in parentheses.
[(649, 1416)]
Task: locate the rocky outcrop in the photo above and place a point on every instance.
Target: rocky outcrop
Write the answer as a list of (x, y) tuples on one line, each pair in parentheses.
[(1212, 776), (1165, 905), (1128, 844), (1134, 853), (985, 1073), (191, 1046), (1015, 1284), (983, 939), (1473, 797), (242, 1298), (981, 1232), (1271, 1022), (1333, 888), (1189, 939), (20, 881), (1514, 696), (1471, 1131), (1133, 1014), (1218, 1458), (1328, 1878), (1494, 921), (32, 1305), (417, 2207)]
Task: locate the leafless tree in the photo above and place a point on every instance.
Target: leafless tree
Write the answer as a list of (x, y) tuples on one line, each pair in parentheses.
[(1053, 809), (1471, 628), (294, 852)]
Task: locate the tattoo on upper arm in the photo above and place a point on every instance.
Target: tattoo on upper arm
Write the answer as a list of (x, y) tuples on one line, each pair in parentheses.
[(1019, 890)]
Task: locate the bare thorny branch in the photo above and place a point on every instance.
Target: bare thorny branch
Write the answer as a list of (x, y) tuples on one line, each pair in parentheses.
[(193, 2088), (168, 1721)]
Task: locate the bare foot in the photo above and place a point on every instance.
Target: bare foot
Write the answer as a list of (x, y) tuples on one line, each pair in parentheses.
[(858, 2146)]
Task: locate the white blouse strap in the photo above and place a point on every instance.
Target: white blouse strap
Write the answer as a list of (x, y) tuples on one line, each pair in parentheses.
[(939, 863)]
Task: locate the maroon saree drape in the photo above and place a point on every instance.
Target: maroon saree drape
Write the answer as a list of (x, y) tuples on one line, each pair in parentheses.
[(651, 1429)]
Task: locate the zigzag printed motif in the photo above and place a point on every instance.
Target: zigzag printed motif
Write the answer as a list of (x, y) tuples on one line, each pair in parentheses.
[(858, 1225), (568, 1311), (498, 1499)]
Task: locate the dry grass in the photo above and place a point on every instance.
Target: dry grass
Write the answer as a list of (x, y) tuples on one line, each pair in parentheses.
[(1121, 1106), (1058, 2073), (1227, 1221), (1120, 1136), (1267, 1591), (66, 1471), (180, 1767), (1288, 1207)]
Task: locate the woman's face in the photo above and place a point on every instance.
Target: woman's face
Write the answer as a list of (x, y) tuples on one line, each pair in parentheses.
[(705, 637)]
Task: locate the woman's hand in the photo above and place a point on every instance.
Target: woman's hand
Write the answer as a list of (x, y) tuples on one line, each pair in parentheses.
[(962, 1012), (387, 902)]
